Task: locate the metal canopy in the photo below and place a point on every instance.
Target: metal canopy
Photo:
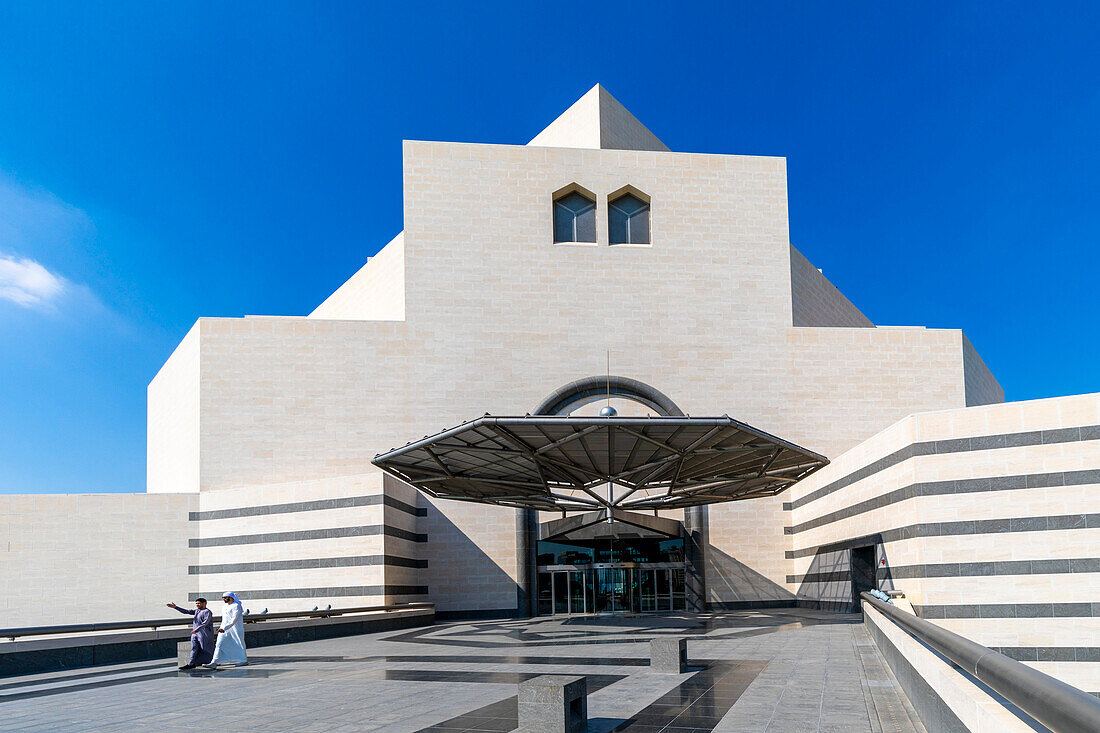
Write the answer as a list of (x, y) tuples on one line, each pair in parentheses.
[(585, 463)]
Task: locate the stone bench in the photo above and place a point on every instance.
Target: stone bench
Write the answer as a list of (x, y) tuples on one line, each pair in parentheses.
[(668, 655), (553, 703)]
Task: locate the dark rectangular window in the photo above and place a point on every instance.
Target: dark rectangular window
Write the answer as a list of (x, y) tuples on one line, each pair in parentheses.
[(619, 550), (628, 220), (574, 219)]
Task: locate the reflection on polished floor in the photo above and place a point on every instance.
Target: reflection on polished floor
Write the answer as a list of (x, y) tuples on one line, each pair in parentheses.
[(766, 671)]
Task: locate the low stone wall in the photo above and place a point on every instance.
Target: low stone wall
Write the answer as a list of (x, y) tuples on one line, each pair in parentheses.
[(35, 655), (94, 556), (946, 698)]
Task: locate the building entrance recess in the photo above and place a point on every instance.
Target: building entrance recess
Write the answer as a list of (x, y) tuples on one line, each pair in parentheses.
[(863, 572), (628, 564), (611, 589), (602, 469)]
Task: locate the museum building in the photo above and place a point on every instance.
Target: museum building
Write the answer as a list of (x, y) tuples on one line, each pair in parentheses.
[(593, 375)]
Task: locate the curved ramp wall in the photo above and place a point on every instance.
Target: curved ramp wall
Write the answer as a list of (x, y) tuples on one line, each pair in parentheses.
[(988, 518)]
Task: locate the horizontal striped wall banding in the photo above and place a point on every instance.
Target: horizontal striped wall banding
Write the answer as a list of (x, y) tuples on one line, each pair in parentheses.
[(308, 534), (1051, 653), (969, 527), (309, 564), (1009, 610), (960, 445), (334, 592), (343, 502), (942, 488), (964, 569)]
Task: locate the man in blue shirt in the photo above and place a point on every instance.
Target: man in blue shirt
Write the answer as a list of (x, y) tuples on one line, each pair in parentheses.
[(202, 633)]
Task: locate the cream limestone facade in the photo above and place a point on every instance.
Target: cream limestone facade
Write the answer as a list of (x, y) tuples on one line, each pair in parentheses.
[(82, 558), (474, 309), (988, 518), (268, 425)]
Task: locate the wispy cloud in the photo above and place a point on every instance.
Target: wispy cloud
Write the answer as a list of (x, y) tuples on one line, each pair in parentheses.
[(29, 284), (38, 228)]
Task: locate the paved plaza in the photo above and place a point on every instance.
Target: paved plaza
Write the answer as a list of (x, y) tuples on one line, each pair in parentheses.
[(776, 671)]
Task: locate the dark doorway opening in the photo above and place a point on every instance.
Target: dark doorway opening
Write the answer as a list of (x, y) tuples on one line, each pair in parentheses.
[(863, 572)]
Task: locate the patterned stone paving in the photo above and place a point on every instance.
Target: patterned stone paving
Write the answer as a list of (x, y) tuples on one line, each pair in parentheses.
[(775, 671)]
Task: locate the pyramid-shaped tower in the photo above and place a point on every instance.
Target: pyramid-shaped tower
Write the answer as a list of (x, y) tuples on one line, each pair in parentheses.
[(597, 120)]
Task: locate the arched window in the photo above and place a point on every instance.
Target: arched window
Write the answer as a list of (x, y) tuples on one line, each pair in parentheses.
[(574, 216), (628, 218)]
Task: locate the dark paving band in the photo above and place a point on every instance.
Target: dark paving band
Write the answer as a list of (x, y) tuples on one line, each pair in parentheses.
[(489, 678), (942, 488), (949, 529), (518, 659), (697, 704), (344, 502), (333, 592), (62, 686), (86, 686), (504, 714), (66, 678), (960, 445), (763, 623), (308, 534), (963, 569), (309, 564)]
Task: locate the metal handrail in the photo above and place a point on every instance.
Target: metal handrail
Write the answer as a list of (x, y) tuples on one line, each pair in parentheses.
[(1060, 707), (155, 624)]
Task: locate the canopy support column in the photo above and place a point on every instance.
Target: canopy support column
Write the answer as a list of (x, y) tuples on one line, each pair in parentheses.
[(527, 535), (696, 539)]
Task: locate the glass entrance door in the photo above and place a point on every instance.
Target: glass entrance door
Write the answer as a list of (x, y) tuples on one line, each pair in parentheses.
[(648, 590), (664, 592), (620, 590), (609, 590), (545, 593), (562, 592), (578, 583)]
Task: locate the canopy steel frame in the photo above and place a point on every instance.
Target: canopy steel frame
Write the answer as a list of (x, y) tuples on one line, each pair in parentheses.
[(557, 463)]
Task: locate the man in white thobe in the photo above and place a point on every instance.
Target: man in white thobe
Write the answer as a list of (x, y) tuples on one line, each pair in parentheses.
[(230, 648)]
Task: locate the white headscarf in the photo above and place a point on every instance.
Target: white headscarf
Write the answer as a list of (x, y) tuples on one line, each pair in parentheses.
[(232, 595)]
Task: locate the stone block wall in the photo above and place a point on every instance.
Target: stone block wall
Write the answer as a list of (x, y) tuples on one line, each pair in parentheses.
[(844, 385), (375, 293), (945, 697), (987, 517), (272, 421), (744, 558), (472, 564), (82, 558), (172, 442), (298, 399), (816, 302), (346, 541), (497, 316), (982, 387)]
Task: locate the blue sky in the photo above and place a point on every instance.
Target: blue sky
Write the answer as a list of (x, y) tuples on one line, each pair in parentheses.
[(161, 161)]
